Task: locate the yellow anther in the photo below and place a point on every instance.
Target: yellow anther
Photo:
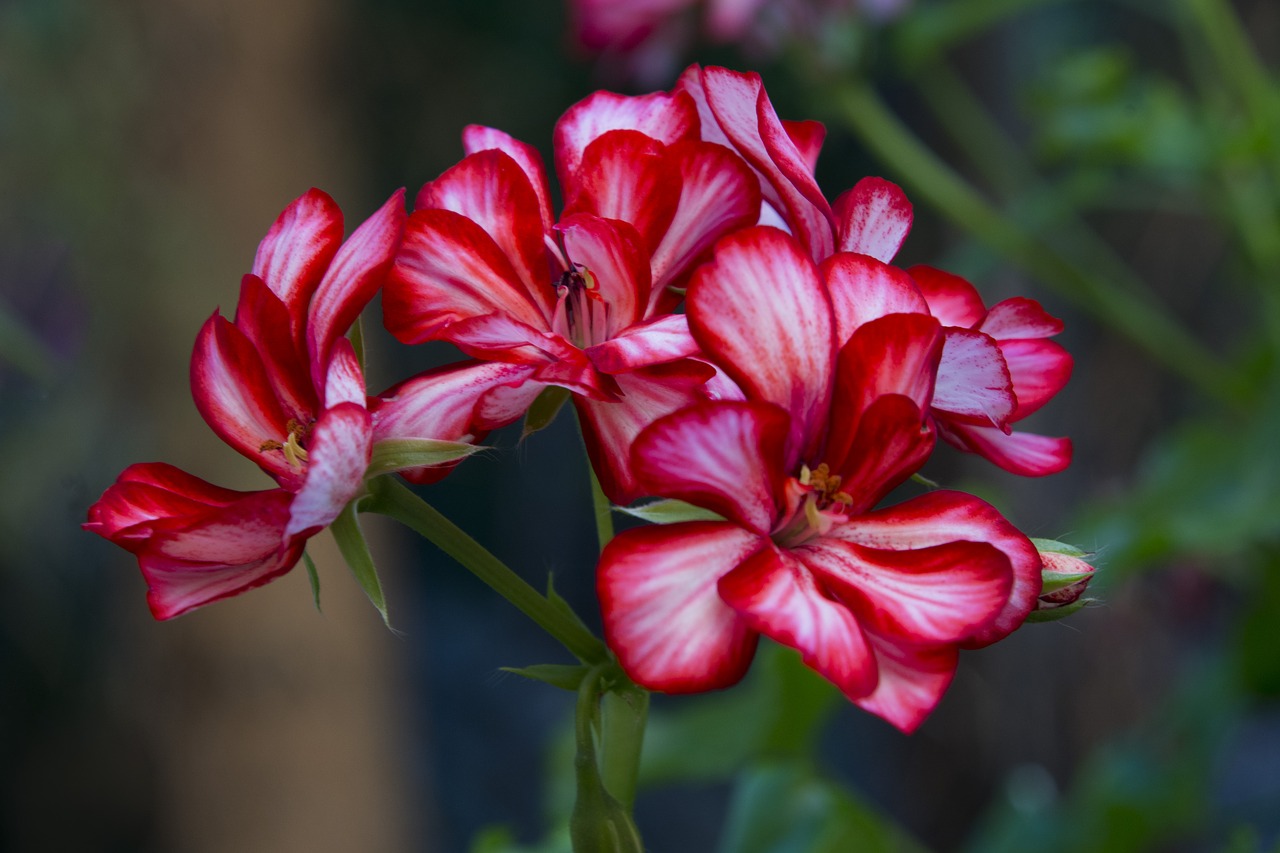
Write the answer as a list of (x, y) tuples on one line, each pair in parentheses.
[(805, 475)]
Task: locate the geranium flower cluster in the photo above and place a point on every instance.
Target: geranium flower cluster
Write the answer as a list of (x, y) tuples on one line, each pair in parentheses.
[(730, 339)]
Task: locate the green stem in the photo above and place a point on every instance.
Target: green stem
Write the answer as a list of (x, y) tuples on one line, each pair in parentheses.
[(624, 712), (1132, 314), (599, 823), (603, 510), (390, 497)]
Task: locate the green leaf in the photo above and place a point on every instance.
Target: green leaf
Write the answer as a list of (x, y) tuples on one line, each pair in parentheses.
[(346, 532), (564, 676), (400, 453), (314, 577), (544, 410), (669, 512)]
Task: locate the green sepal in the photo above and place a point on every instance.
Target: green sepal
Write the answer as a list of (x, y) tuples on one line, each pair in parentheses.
[(565, 676), (1053, 546), (669, 512), (544, 410), (355, 550), (398, 454), (314, 577), (1053, 614), (925, 481)]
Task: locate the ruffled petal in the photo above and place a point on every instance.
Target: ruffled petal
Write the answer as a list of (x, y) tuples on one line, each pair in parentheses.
[(356, 273), (448, 269), (1017, 452), (759, 310), (864, 289), (723, 456), (338, 453), (663, 616), (873, 219), (151, 491), (778, 596), (940, 594), (479, 138), (942, 517), (974, 385), (951, 299), (1019, 317), (294, 255)]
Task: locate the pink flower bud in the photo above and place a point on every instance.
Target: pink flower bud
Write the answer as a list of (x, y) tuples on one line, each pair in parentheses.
[(1065, 575)]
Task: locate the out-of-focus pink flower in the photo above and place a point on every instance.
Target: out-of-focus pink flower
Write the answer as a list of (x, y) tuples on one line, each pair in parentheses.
[(649, 36), (283, 386), (877, 601), (582, 303)]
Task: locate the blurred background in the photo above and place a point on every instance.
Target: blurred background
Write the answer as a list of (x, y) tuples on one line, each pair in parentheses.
[(1119, 161)]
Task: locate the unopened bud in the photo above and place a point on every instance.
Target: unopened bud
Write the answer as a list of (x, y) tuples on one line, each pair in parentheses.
[(1065, 575)]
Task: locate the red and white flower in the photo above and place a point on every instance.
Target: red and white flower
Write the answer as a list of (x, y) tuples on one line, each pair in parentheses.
[(283, 386), (877, 601), (582, 303)]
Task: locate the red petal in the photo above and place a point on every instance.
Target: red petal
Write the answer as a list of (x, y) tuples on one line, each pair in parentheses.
[(149, 491), (718, 194), (664, 117), (449, 269), (951, 299), (890, 444), (356, 273), (345, 380), (941, 517), (912, 681), (663, 339), (494, 191), (1019, 317), (663, 616), (235, 396), (297, 250), (1022, 453), (807, 136), (337, 455), (942, 594), (265, 322), (723, 456), (759, 310), (612, 251), (779, 597), (478, 138), (974, 385), (609, 428), (1039, 369), (628, 176), (873, 219), (863, 289)]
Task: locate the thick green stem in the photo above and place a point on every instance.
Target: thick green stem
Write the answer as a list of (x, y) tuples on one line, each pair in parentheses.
[(1133, 314), (599, 823), (624, 712), (390, 497)]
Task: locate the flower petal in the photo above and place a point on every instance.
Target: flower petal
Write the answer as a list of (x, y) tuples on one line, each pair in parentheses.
[(663, 117), (294, 255), (1019, 317), (891, 442), (613, 252), (974, 385), (1022, 453), (923, 596), (448, 269), (492, 190), (912, 681), (663, 616), (663, 339), (151, 491), (864, 289), (873, 219), (1039, 370), (759, 310), (943, 516), (609, 428), (951, 299), (779, 597), (479, 138), (356, 273), (337, 455), (723, 456)]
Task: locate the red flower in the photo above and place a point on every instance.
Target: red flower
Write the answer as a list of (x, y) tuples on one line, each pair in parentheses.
[(282, 386), (582, 303), (877, 601)]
